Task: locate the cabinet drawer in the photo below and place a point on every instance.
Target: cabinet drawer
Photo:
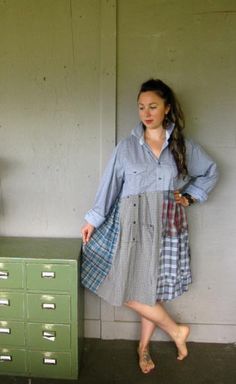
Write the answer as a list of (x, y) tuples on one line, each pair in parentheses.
[(11, 306), (49, 277), (11, 275), (48, 308), (49, 337), (12, 360), (12, 333), (50, 364)]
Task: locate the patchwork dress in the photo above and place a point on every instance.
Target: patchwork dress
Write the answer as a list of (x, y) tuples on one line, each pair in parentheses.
[(140, 247)]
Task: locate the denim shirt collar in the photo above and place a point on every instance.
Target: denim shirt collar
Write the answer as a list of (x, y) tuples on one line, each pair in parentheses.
[(138, 132)]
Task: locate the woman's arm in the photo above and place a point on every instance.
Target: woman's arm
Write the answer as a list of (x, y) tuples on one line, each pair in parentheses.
[(202, 170)]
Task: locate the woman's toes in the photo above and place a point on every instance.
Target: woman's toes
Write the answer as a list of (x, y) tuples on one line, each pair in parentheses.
[(145, 361), (181, 342)]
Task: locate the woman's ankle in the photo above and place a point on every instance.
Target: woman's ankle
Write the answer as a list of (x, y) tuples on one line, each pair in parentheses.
[(143, 346)]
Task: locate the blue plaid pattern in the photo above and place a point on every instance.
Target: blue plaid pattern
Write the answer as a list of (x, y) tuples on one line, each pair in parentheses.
[(97, 255), (174, 270), (174, 266)]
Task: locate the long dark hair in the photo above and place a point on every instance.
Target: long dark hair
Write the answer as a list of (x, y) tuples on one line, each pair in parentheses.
[(175, 115)]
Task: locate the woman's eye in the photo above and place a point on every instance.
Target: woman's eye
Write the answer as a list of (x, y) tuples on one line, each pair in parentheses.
[(153, 107)]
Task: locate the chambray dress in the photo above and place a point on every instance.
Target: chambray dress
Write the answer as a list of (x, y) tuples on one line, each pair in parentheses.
[(140, 247)]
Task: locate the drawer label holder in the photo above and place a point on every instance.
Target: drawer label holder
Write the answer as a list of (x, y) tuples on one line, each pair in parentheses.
[(49, 335), (4, 275), (6, 331), (5, 358), (48, 275), (49, 306), (5, 302), (48, 361)]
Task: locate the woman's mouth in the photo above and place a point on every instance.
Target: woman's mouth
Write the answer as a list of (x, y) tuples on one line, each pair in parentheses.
[(148, 121)]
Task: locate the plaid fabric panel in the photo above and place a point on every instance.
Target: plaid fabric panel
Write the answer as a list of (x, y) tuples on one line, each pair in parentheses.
[(174, 219), (97, 255), (174, 267)]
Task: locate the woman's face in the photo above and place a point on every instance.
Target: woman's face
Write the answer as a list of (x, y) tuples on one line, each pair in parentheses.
[(152, 109)]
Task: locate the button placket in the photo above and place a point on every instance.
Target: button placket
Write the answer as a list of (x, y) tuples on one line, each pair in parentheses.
[(135, 220)]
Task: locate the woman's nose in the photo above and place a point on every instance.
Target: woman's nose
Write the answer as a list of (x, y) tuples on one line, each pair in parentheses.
[(147, 112)]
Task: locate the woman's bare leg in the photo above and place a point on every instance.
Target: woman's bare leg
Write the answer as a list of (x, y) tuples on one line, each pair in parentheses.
[(145, 361), (158, 315)]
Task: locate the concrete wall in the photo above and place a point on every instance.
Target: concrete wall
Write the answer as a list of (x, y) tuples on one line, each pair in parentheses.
[(59, 64), (191, 46), (53, 139)]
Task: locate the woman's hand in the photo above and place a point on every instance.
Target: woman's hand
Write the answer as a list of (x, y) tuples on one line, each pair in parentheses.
[(181, 199), (86, 232)]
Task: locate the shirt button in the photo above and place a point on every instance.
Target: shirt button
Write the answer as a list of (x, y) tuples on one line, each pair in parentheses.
[(134, 222), (159, 178), (134, 205)]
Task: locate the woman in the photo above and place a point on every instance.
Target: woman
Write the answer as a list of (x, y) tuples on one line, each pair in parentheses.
[(136, 249)]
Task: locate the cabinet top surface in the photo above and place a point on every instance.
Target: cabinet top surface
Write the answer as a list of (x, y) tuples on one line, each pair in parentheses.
[(40, 248)]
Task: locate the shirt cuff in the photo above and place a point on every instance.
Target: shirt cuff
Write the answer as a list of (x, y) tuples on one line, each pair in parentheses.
[(94, 218), (196, 193)]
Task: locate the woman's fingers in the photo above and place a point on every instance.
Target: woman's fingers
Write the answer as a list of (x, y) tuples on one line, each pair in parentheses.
[(84, 235), (86, 232), (88, 235), (177, 196), (180, 199)]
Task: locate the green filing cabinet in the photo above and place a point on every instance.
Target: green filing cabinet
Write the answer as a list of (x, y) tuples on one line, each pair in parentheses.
[(41, 307)]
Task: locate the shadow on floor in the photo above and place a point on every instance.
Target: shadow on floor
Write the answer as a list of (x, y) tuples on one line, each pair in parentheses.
[(115, 362)]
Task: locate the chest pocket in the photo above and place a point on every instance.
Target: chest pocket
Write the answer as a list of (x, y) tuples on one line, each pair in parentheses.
[(170, 175), (170, 170), (135, 171), (139, 178), (136, 177)]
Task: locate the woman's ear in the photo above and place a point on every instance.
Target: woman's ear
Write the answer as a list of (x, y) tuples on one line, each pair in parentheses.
[(167, 109)]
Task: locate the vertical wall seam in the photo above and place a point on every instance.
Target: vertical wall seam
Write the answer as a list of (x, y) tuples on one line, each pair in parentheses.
[(72, 32), (108, 79)]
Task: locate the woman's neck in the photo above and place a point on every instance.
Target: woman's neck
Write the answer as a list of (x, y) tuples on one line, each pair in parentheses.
[(155, 134)]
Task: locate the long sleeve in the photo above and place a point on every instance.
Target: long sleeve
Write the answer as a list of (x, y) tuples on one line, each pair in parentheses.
[(108, 191), (202, 170)]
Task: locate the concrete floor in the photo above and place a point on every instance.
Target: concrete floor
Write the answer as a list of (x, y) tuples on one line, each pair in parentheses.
[(115, 362)]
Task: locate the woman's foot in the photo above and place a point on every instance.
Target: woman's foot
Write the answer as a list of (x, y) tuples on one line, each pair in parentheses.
[(145, 361), (180, 341)]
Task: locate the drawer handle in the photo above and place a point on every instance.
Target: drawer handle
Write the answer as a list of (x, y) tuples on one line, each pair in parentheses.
[(48, 275), (48, 361), (49, 335), (5, 358), (5, 302), (49, 306), (5, 331), (4, 275)]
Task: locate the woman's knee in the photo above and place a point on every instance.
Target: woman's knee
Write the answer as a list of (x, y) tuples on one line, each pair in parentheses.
[(130, 304)]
